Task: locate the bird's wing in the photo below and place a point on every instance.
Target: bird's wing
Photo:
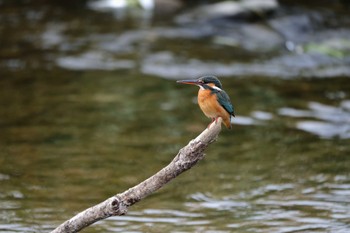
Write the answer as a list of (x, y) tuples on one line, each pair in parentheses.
[(225, 102)]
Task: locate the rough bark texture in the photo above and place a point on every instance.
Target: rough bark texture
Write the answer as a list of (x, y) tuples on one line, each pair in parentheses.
[(118, 204)]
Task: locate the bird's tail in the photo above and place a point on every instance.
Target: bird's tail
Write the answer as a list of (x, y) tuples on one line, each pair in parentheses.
[(231, 120)]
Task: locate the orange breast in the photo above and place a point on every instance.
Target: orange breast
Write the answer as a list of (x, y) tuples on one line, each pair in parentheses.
[(211, 107)]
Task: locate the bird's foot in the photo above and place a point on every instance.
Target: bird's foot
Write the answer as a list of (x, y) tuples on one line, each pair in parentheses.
[(216, 120), (213, 120)]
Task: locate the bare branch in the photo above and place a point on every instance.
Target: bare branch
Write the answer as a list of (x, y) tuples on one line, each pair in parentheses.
[(187, 157)]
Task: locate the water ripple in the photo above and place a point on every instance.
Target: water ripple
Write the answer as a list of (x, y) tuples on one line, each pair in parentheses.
[(330, 121)]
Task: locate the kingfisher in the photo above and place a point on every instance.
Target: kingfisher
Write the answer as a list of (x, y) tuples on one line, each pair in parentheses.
[(212, 99)]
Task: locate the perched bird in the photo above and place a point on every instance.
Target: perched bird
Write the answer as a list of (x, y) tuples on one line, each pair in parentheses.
[(213, 101)]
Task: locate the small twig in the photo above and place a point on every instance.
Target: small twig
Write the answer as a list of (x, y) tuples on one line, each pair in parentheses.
[(118, 204)]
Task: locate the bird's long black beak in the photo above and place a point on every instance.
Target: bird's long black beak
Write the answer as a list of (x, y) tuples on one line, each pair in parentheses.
[(192, 82)]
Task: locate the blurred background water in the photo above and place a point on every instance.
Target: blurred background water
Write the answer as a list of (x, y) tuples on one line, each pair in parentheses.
[(90, 108)]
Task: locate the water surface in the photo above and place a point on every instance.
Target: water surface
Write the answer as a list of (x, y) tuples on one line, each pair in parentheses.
[(88, 110)]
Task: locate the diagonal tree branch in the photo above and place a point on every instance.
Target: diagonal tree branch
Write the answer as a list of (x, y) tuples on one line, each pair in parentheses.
[(116, 205)]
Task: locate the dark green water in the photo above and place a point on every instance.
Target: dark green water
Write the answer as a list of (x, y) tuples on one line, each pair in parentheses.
[(71, 138)]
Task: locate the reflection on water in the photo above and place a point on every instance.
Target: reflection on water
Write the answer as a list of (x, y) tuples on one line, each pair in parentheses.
[(94, 61), (81, 121), (331, 121), (255, 118), (335, 121)]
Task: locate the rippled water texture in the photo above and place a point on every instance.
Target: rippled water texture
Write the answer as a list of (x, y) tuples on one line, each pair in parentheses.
[(90, 108)]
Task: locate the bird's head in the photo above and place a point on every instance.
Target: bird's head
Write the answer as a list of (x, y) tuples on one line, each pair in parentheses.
[(203, 82)]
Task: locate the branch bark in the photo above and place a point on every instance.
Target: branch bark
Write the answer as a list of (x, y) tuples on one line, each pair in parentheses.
[(118, 204)]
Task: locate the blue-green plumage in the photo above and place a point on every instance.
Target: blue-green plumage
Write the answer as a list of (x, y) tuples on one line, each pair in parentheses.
[(213, 101), (221, 95), (225, 102)]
